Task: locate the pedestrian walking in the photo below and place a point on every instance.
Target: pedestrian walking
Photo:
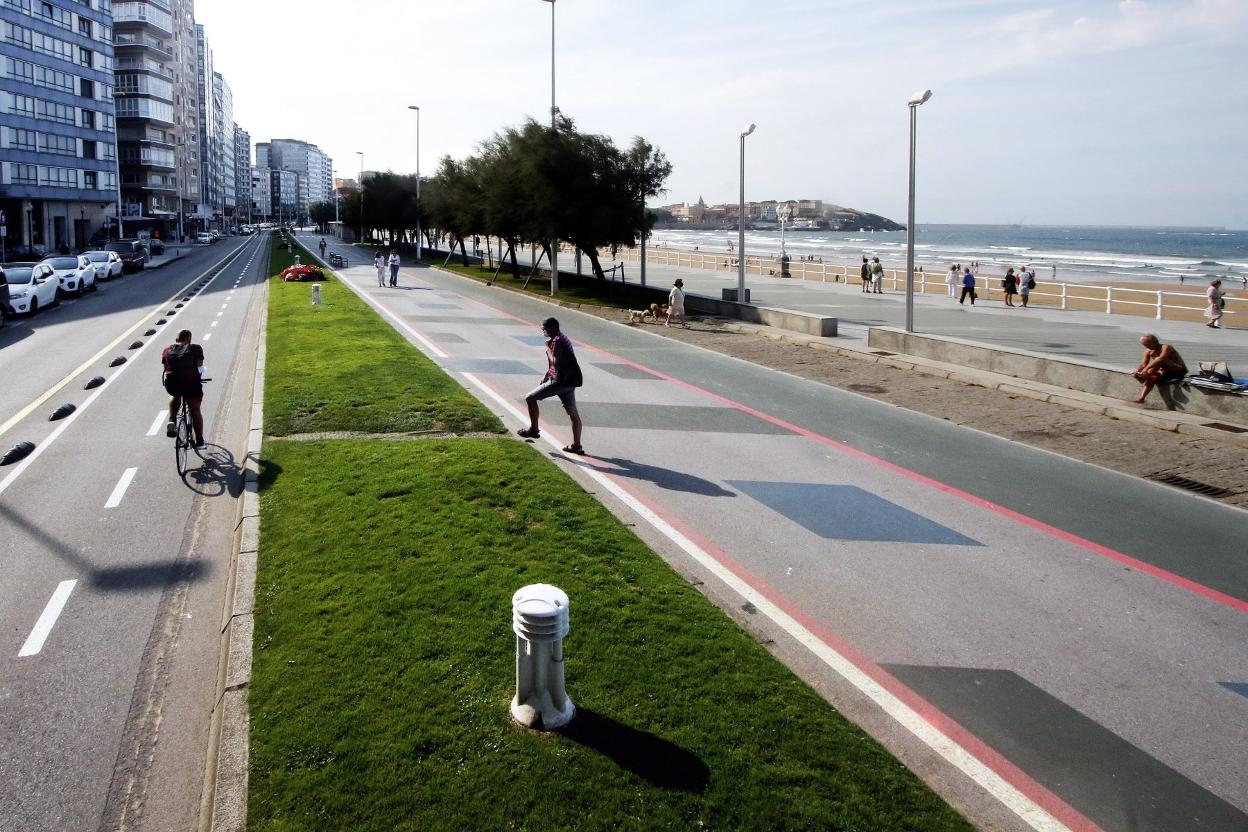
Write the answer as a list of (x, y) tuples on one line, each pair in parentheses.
[(1026, 282), (394, 267), (865, 273), (1217, 304), (379, 263), (1010, 284), (322, 248), (951, 279), (676, 303), (563, 376), (877, 276), (968, 287)]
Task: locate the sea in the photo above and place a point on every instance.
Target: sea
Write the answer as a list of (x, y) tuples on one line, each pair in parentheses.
[(1080, 254)]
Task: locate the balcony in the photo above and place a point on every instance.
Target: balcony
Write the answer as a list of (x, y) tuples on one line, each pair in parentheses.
[(127, 40)]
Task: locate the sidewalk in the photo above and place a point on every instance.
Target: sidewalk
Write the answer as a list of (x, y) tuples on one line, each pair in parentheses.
[(1086, 336)]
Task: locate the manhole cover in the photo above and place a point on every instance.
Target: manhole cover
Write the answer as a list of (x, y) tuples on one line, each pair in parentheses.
[(1195, 486), (866, 388)]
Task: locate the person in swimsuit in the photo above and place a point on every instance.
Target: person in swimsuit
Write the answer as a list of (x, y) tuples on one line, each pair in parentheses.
[(1162, 364)]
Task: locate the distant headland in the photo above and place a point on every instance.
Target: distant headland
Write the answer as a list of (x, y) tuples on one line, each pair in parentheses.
[(805, 215)]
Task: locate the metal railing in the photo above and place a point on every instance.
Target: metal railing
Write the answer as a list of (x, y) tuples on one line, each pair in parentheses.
[(1160, 304)]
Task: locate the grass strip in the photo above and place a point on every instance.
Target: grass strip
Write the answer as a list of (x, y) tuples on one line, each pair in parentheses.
[(339, 367), (384, 666)]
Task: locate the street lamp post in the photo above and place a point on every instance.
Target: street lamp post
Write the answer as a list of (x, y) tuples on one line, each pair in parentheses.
[(418, 237), (741, 220), (554, 117), (915, 102), (360, 153), (784, 212)]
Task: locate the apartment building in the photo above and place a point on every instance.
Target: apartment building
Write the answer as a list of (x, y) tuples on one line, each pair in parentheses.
[(242, 174), (58, 134)]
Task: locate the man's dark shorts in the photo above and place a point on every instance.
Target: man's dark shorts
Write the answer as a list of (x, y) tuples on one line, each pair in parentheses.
[(565, 392), (193, 393)]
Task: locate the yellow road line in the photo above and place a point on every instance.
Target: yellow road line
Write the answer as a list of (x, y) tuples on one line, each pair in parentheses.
[(86, 365)]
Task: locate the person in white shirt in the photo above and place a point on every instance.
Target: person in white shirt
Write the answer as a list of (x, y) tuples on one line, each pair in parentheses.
[(676, 303), (952, 280), (379, 263), (394, 267)]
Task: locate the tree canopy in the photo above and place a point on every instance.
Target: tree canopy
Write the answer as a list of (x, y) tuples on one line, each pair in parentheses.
[(527, 184)]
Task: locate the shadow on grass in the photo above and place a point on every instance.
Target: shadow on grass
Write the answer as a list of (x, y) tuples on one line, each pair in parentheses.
[(654, 759), (662, 477)]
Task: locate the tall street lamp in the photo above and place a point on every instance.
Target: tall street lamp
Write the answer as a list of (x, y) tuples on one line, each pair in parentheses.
[(418, 238), (916, 100), (784, 213), (741, 220), (360, 153), (554, 115)]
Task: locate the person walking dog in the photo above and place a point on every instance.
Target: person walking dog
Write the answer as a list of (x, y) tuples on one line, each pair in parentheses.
[(563, 376)]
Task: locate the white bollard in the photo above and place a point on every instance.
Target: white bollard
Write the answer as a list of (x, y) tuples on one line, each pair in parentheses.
[(316, 294), (539, 618)]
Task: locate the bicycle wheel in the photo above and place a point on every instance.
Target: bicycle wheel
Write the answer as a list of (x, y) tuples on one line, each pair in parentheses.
[(182, 441)]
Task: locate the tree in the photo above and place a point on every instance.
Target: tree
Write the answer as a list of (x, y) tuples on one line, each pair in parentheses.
[(321, 213)]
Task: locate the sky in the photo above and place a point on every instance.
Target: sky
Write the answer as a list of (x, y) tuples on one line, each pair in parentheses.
[(1090, 113)]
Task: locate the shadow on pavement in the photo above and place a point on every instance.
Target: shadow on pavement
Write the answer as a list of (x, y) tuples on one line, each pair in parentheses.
[(652, 758), (662, 477), (116, 578), (217, 474)]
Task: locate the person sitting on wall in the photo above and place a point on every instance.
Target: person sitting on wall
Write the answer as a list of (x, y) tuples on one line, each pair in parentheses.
[(1162, 364)]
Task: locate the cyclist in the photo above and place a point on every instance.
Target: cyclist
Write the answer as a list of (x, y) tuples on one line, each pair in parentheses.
[(183, 364)]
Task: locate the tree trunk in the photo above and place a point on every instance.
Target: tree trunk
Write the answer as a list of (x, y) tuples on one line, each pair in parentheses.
[(462, 252), (512, 242), (592, 254)]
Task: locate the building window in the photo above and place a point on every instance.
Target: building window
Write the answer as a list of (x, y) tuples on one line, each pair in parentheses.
[(88, 119), (84, 26), (58, 177), (89, 179), (52, 111), (86, 88), (22, 105), (85, 56), (25, 174), (88, 149), (21, 139), (61, 145), (20, 70)]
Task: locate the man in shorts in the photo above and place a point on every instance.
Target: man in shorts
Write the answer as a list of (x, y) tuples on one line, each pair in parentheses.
[(563, 376), (1162, 364), (183, 364)]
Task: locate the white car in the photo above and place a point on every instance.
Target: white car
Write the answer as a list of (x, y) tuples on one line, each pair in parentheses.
[(75, 272), (203, 237), (32, 286), (107, 264)]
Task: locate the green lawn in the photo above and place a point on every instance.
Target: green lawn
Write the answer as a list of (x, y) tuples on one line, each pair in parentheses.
[(339, 367), (383, 664), (590, 292)]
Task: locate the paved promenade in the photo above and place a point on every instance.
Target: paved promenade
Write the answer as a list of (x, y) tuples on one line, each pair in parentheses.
[(946, 588), (1086, 336)]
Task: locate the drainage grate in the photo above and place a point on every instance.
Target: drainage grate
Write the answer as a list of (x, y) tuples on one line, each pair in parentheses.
[(1195, 486), (1225, 427), (881, 352)]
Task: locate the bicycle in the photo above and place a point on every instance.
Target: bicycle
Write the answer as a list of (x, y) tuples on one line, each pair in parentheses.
[(183, 440)]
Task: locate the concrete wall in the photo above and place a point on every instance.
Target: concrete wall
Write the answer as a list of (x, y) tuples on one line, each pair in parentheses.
[(1061, 372)]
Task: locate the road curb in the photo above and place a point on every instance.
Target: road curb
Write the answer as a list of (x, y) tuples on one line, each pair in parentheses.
[(224, 802)]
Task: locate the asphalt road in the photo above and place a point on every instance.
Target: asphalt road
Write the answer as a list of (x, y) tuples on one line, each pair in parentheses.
[(112, 568), (1077, 633)]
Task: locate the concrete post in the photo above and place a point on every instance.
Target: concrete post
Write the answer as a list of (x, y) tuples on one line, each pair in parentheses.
[(316, 294), (539, 618)]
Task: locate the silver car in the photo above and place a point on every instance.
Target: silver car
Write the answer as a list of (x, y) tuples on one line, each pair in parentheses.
[(32, 286), (74, 271), (107, 264)]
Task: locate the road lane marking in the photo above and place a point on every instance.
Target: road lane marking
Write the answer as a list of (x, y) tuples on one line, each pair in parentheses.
[(86, 365), (34, 642), (161, 418), (119, 490), (207, 337), (224, 305), (214, 323)]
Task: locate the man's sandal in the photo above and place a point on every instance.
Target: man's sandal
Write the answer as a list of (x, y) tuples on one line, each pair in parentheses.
[(529, 434), (574, 449)]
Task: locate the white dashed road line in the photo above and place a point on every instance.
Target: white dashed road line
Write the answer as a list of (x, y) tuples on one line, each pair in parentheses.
[(161, 418), (34, 642), (119, 490)]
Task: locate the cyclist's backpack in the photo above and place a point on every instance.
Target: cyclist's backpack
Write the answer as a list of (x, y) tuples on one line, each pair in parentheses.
[(181, 362)]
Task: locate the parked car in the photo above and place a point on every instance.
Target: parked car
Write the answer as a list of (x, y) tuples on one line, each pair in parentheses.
[(133, 254), (203, 237), (107, 264), (216, 235), (5, 310), (155, 246), (32, 286), (75, 272)]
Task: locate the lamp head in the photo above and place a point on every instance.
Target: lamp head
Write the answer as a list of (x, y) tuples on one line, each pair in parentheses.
[(920, 97), (748, 129), (413, 107)]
